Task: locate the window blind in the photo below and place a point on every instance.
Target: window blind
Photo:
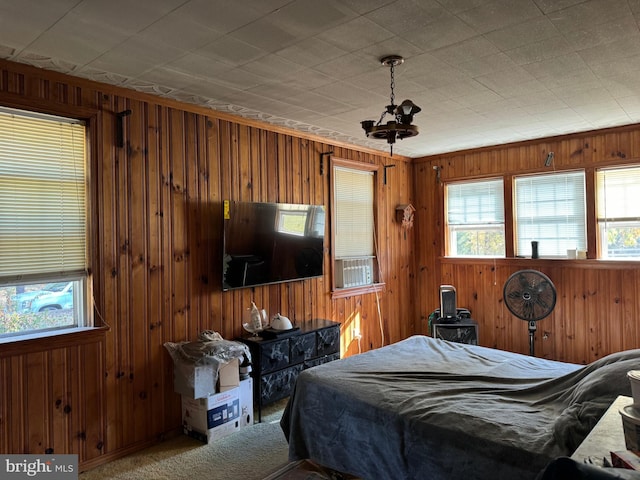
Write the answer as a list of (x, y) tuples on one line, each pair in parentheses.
[(475, 203), (618, 194), (42, 196), (354, 222), (550, 209)]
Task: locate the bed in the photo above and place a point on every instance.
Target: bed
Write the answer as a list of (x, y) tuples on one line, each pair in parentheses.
[(428, 408)]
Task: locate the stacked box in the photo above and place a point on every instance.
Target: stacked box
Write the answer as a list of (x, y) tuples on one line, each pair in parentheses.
[(199, 381), (195, 381), (214, 404), (219, 415), (213, 417), (246, 402), (229, 376)]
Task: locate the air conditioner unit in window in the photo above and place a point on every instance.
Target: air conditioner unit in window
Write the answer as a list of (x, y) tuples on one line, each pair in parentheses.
[(354, 272)]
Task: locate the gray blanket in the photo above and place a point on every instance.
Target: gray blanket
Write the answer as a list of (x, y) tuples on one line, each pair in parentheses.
[(429, 409)]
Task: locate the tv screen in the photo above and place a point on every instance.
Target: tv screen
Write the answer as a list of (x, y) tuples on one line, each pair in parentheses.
[(271, 243)]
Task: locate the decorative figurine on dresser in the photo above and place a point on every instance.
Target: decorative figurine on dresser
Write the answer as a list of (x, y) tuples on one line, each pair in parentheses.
[(279, 355)]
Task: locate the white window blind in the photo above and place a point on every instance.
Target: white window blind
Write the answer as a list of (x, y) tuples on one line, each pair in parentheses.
[(475, 203), (618, 212), (475, 218), (42, 197), (550, 209), (354, 221), (618, 194)]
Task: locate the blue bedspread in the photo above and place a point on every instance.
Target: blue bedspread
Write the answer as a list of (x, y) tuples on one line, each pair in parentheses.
[(429, 409)]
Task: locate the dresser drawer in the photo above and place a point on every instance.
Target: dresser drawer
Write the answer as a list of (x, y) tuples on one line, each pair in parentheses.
[(328, 340), (277, 385), (274, 355), (303, 347), (320, 360)]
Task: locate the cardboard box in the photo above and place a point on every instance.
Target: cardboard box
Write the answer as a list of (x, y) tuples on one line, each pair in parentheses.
[(229, 375), (246, 402), (201, 381), (195, 381), (214, 434), (211, 418)]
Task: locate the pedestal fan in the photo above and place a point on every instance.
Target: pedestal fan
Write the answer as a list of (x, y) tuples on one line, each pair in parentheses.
[(531, 296)]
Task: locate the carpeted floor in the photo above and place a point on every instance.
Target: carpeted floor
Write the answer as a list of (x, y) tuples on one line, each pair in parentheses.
[(307, 470), (253, 453)]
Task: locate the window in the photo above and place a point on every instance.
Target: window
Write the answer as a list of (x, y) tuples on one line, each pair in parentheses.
[(618, 212), (354, 226), (42, 223), (475, 218), (300, 220), (292, 220), (550, 209)]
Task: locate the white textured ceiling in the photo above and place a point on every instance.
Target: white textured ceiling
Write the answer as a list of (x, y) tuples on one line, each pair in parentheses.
[(484, 72)]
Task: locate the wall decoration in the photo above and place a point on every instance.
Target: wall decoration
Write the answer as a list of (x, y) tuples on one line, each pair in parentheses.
[(404, 215)]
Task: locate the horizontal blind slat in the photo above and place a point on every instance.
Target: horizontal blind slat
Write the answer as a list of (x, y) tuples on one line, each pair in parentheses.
[(475, 202), (42, 195), (550, 209), (354, 221), (618, 193)]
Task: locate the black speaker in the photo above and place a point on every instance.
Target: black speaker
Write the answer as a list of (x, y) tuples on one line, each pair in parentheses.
[(448, 301), (456, 332)]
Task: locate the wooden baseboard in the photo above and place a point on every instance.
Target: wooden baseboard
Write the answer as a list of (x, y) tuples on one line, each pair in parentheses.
[(123, 452)]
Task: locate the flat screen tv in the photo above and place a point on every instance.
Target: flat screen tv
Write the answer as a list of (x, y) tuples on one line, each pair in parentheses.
[(268, 243)]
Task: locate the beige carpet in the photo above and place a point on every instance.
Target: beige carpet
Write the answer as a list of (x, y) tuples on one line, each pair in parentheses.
[(308, 470), (250, 454)]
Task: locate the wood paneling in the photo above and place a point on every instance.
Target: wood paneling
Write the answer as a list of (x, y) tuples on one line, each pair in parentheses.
[(595, 314), (156, 218), (597, 308)]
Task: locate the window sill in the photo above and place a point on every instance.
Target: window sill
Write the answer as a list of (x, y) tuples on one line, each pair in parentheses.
[(362, 290), (39, 342), (597, 263)]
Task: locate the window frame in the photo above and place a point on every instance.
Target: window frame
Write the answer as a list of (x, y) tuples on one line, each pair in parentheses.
[(592, 245), (515, 202), (32, 340), (599, 230), (378, 284), (448, 228)]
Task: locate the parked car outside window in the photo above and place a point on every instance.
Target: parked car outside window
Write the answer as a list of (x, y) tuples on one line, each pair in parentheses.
[(53, 296)]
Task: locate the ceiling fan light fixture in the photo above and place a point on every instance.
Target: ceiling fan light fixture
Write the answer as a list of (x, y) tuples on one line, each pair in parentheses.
[(402, 125)]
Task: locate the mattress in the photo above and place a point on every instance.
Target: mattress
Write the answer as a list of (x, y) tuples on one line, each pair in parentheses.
[(428, 408)]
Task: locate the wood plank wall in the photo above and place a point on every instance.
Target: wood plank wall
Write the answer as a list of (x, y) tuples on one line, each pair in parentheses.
[(156, 222), (598, 305), (156, 231)]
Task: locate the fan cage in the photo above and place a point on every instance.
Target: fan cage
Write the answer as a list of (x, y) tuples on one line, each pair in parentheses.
[(529, 295)]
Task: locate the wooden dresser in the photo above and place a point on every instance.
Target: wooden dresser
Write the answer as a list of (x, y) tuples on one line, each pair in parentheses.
[(277, 362)]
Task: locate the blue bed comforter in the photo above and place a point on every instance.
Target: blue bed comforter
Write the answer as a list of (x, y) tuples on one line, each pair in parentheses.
[(429, 409)]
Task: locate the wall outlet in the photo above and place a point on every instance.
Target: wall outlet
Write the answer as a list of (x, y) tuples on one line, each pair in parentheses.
[(356, 335)]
